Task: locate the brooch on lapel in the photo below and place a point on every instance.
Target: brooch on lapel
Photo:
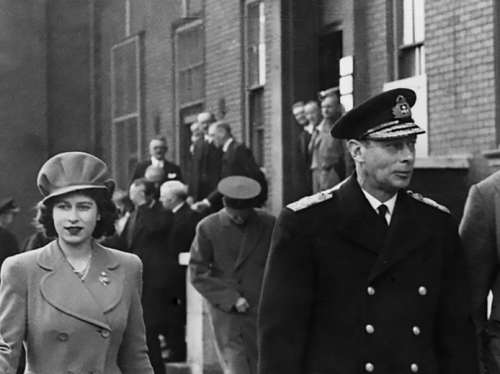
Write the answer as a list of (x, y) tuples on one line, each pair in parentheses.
[(104, 278)]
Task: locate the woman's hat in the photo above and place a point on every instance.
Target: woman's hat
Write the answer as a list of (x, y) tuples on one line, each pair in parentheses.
[(72, 171)]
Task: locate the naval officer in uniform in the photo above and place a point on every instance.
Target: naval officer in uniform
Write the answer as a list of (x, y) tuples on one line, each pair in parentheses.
[(367, 276)]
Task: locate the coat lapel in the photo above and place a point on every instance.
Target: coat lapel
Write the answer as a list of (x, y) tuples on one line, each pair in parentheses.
[(251, 238), (63, 289), (360, 223), (405, 235)]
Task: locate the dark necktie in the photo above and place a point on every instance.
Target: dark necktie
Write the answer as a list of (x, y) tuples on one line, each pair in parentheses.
[(382, 211)]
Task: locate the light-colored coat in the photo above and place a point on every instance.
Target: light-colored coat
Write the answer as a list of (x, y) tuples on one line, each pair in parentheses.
[(72, 327), (480, 232), (227, 262)]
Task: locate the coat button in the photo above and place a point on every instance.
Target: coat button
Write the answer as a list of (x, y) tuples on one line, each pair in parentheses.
[(370, 329), (105, 333), (62, 336), (422, 291), (371, 291), (414, 368), (416, 330), (369, 367)]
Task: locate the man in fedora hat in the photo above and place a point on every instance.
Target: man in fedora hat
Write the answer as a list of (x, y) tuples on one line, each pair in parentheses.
[(367, 276), (8, 242), (227, 262)]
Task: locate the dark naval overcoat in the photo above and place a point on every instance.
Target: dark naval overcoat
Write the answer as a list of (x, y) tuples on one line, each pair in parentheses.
[(344, 294)]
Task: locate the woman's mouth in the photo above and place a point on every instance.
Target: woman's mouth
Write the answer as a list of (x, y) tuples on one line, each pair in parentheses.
[(73, 230)]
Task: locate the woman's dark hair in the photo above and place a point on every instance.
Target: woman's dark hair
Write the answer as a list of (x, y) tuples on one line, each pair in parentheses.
[(105, 206)]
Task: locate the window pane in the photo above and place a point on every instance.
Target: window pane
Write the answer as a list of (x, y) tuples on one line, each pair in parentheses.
[(256, 113), (408, 37), (125, 78), (190, 47), (126, 148), (252, 43), (262, 45), (419, 20), (407, 63)]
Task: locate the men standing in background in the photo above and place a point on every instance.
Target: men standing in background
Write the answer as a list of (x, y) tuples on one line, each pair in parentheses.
[(480, 232), (302, 166), (206, 160), (8, 242), (237, 159), (173, 195), (158, 149), (227, 263), (328, 163)]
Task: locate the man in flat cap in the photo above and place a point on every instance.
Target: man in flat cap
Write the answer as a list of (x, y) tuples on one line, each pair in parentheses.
[(227, 263), (367, 276), (8, 242)]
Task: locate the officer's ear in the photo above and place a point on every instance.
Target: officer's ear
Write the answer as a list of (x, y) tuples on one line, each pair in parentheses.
[(356, 149)]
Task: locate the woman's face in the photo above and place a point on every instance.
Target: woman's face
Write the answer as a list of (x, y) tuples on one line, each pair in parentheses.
[(75, 217)]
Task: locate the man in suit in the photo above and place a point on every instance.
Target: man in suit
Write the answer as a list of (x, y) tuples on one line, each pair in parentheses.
[(366, 276), (237, 159), (302, 162), (158, 149), (146, 233), (206, 160), (328, 154), (227, 263), (480, 233), (173, 195)]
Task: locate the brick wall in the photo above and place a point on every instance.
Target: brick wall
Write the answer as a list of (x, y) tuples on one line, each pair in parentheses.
[(461, 85)]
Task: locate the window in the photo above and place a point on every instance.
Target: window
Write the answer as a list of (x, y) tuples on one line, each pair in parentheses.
[(125, 108), (190, 64), (409, 26), (255, 64)]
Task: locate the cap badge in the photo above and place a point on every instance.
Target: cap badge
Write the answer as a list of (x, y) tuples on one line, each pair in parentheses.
[(401, 109)]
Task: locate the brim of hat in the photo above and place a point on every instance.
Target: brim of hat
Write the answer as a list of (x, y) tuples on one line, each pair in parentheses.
[(397, 131), (65, 190)]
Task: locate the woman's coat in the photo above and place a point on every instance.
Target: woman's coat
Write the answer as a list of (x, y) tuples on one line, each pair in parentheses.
[(69, 326)]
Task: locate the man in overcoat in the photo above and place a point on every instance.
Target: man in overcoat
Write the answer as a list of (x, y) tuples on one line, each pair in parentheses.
[(480, 234), (173, 195), (353, 287), (227, 263)]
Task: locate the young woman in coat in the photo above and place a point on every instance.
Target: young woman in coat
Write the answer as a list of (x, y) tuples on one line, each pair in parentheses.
[(74, 304)]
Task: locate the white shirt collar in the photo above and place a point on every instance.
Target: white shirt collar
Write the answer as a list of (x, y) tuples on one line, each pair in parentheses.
[(177, 207), (156, 162), (375, 203), (309, 128), (227, 144)]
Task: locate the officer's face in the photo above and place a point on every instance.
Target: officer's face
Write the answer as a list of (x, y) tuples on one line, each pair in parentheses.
[(386, 165)]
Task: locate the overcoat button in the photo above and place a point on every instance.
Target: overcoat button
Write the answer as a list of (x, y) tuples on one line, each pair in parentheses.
[(416, 330), (62, 336), (414, 368), (371, 291), (370, 329), (422, 291), (105, 334), (369, 367)]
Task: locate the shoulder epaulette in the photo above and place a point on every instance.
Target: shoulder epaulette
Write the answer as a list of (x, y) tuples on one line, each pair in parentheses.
[(317, 198), (428, 201)]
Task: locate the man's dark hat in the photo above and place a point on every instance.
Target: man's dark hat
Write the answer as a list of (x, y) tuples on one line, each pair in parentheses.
[(239, 192), (385, 116), (7, 206)]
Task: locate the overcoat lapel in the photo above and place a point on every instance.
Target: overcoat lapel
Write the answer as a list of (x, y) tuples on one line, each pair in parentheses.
[(405, 235), (360, 223), (63, 289), (252, 237)]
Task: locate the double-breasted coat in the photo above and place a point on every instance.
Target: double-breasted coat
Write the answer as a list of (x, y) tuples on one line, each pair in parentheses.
[(69, 326), (227, 262), (345, 294), (480, 232)]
